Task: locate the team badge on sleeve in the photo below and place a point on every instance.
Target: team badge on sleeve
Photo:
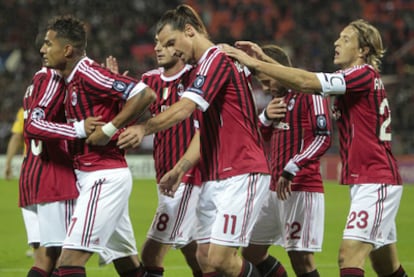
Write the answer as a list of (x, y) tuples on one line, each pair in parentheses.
[(321, 125), (119, 86), (321, 121), (199, 81), (38, 113)]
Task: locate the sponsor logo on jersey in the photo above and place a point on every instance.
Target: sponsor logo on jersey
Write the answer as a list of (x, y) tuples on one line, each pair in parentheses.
[(281, 125), (38, 113), (119, 86)]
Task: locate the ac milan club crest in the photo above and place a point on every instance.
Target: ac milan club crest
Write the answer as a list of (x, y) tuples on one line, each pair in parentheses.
[(74, 97)]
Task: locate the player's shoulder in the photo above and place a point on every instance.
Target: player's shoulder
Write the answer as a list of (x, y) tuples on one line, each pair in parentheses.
[(358, 69), (154, 72)]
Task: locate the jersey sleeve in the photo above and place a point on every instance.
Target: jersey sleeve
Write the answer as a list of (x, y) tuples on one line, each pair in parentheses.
[(46, 106), (321, 130), (207, 84), (265, 126), (105, 84)]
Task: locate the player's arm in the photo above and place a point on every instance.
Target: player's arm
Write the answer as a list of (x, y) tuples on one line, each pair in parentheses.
[(15, 144), (320, 124), (171, 180), (173, 115), (134, 107), (290, 77)]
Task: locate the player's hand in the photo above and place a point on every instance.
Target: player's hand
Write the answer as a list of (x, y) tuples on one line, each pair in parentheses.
[(276, 109), (8, 172), (251, 48), (131, 137), (170, 182), (238, 54), (98, 137), (283, 188), (112, 65), (91, 123)]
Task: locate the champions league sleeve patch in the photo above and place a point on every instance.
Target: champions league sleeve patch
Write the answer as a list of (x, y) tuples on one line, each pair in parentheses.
[(119, 86), (38, 114), (199, 81), (321, 125)]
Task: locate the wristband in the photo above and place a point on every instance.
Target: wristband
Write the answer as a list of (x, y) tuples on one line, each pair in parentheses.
[(264, 119), (109, 129), (287, 175)]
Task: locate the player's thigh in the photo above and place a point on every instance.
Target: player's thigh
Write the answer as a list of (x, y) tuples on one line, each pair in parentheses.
[(175, 218), (268, 228), (54, 218), (304, 217), (102, 201), (238, 205), (372, 213), (31, 223)]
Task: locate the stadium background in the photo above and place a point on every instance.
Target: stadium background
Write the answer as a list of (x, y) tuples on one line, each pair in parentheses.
[(307, 29)]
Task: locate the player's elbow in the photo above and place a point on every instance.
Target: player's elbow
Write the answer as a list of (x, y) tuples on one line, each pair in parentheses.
[(186, 109), (148, 95)]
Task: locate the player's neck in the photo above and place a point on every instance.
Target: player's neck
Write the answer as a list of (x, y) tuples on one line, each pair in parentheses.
[(202, 45), (70, 65), (173, 70)]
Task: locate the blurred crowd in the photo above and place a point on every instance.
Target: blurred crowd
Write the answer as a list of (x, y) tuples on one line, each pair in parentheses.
[(125, 29)]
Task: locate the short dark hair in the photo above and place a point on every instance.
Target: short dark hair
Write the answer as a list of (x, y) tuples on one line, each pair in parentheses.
[(70, 28), (277, 53)]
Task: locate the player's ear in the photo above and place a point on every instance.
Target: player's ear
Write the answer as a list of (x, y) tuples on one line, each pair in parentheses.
[(189, 30), (363, 52), (68, 50)]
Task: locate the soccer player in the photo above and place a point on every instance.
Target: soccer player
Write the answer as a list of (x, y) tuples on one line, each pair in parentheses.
[(363, 116), (175, 218), (16, 142), (298, 140), (100, 220), (47, 185), (234, 169)]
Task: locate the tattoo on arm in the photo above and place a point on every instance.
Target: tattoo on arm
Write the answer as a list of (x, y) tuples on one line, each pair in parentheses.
[(185, 165)]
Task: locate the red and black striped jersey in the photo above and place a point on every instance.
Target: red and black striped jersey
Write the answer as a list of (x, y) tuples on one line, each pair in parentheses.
[(363, 117), (302, 137), (171, 144), (46, 173), (231, 143), (92, 90)]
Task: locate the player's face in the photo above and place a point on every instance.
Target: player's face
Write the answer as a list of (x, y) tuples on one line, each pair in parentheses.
[(347, 51), (52, 51), (176, 42), (165, 56), (269, 85)]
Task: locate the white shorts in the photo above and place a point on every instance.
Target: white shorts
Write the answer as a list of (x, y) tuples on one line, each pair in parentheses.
[(297, 223), (54, 219), (31, 223), (47, 223), (101, 220), (228, 209), (372, 214), (175, 218)]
